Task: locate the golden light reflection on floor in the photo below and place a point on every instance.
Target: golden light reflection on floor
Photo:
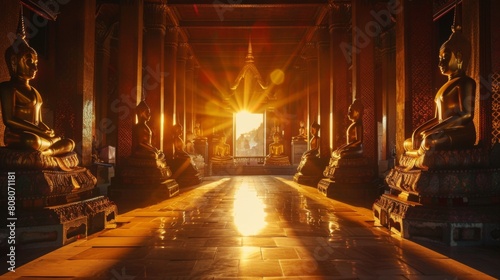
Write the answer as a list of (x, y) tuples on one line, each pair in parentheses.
[(249, 214)]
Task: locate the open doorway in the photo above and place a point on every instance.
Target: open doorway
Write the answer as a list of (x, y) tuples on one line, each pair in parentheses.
[(249, 136)]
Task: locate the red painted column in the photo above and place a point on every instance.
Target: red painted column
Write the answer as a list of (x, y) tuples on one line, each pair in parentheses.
[(324, 90), (104, 128), (189, 95), (74, 70), (340, 14), (129, 73), (416, 63), (364, 32), (170, 56), (182, 56), (312, 84)]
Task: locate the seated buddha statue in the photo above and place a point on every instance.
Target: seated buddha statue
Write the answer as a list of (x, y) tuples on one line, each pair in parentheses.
[(179, 146), (198, 133), (222, 151), (310, 162), (190, 143), (302, 132), (141, 135), (276, 154), (354, 144), (452, 127), (314, 143), (21, 105)]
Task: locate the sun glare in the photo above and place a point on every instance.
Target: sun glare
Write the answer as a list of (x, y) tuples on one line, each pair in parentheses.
[(247, 121), (249, 214), (277, 77)]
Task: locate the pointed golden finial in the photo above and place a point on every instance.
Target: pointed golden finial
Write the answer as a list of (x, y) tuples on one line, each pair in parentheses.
[(457, 18), (249, 54), (21, 32)]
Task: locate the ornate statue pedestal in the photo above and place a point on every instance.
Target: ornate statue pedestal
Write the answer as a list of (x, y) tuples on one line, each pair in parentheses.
[(52, 207), (299, 147), (142, 181), (310, 171), (185, 172), (348, 178), (276, 161), (455, 205)]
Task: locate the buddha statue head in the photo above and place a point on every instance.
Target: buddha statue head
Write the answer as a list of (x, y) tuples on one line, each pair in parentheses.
[(21, 59), (454, 54), (355, 110), (315, 128), (142, 111)]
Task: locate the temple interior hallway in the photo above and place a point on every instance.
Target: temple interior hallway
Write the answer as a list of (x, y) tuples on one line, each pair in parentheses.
[(254, 227)]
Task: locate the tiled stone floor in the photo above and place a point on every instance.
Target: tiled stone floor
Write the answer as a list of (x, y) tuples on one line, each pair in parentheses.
[(254, 227)]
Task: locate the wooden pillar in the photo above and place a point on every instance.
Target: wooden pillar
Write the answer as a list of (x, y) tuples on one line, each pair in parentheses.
[(492, 84), (74, 69), (324, 90), (129, 73), (153, 67), (386, 89), (364, 32), (189, 94), (478, 29), (170, 54), (102, 61), (299, 93), (311, 62), (416, 65), (340, 14), (8, 21), (182, 56)]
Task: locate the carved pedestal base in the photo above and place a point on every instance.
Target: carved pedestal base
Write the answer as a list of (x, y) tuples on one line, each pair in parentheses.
[(143, 181), (142, 194), (63, 224), (349, 191), (41, 188), (310, 171), (452, 226), (446, 187), (56, 201), (276, 161), (453, 198), (306, 180), (349, 178), (350, 170), (185, 172)]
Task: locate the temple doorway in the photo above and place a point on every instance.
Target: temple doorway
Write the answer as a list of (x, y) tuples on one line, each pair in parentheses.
[(249, 137)]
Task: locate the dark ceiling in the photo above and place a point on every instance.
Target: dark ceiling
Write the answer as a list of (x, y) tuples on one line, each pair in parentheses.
[(218, 31), (218, 34)]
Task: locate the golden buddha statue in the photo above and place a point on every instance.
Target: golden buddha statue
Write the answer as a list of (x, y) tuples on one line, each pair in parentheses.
[(452, 127), (141, 135), (310, 162), (302, 132), (276, 148), (222, 151), (190, 143), (354, 144), (276, 154), (21, 105), (198, 133), (179, 146), (314, 142)]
